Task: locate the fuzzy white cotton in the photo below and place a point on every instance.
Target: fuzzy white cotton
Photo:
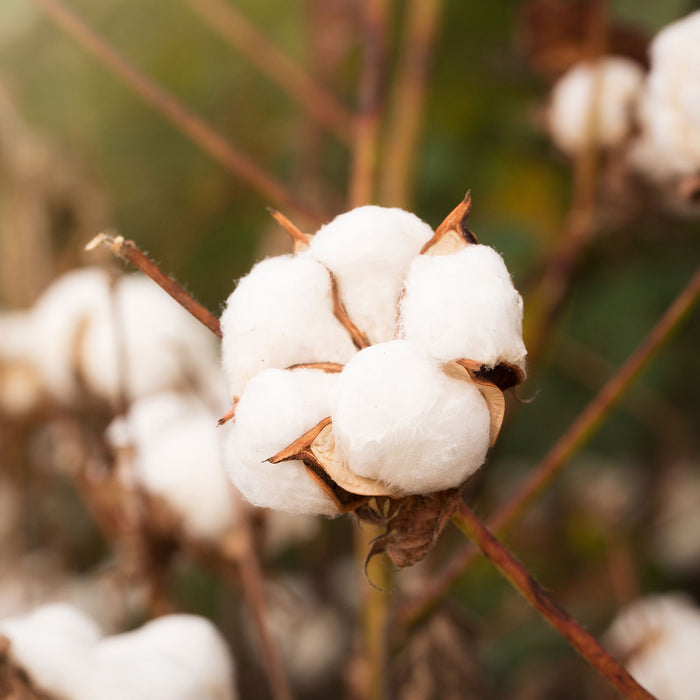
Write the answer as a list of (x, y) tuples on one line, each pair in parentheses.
[(126, 333), (659, 636), (669, 143), (178, 457), (178, 657), (400, 419), (281, 314), (275, 409), (369, 250), (464, 306), (593, 104)]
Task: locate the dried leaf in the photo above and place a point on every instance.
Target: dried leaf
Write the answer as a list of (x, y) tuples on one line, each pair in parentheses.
[(413, 525), (358, 337), (452, 234), (230, 414)]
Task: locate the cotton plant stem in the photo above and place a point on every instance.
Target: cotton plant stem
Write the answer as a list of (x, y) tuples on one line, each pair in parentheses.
[(374, 587), (227, 20), (408, 102), (129, 251), (578, 433), (371, 102), (557, 617), (180, 116)]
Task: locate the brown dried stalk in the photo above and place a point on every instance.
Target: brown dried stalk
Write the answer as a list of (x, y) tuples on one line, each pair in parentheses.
[(226, 19), (562, 622), (580, 431), (299, 238), (180, 116), (371, 103), (408, 102), (129, 251)]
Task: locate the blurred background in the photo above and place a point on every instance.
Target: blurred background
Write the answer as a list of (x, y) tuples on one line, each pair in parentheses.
[(80, 153)]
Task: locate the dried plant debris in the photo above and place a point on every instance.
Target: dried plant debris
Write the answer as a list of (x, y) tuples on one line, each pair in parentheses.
[(370, 369)]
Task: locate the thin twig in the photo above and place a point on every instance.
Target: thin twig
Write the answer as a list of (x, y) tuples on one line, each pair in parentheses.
[(371, 103), (180, 116), (408, 102), (557, 617), (133, 254), (578, 433), (226, 19)]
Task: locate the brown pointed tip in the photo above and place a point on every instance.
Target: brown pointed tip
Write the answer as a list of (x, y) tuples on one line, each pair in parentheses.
[(453, 233), (229, 415), (299, 238)]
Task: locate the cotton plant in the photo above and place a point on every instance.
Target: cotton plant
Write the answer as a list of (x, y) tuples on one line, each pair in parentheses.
[(593, 105), (64, 654), (373, 383), (658, 638), (113, 338)]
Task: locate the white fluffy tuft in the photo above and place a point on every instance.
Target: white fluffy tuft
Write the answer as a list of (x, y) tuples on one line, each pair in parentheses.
[(275, 409), (399, 419), (669, 143), (369, 250), (179, 458), (281, 314), (464, 305), (593, 104)]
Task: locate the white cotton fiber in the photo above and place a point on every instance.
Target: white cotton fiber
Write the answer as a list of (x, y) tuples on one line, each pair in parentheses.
[(178, 657), (659, 637), (275, 409), (464, 306), (669, 142), (399, 419), (369, 250), (128, 335), (188, 643), (593, 104), (178, 457), (281, 314)]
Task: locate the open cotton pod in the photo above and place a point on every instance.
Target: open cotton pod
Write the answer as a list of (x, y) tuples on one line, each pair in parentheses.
[(463, 306), (281, 314), (593, 104), (368, 250), (177, 454), (275, 408)]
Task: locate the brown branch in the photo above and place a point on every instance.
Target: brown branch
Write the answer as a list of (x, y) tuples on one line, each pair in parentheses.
[(299, 238), (129, 251), (226, 19), (408, 102), (180, 116), (581, 430), (371, 103), (557, 617)]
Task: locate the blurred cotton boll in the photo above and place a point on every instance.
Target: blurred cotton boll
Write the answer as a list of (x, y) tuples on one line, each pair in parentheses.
[(464, 305), (281, 314), (369, 250), (401, 420), (178, 457), (122, 335), (178, 657), (658, 638), (275, 409), (593, 104), (669, 143)]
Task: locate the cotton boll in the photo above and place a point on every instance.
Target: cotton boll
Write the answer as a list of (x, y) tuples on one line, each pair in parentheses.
[(178, 457), (369, 250), (593, 104), (400, 419), (190, 643), (276, 408), (464, 305), (669, 143), (659, 636), (281, 314)]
